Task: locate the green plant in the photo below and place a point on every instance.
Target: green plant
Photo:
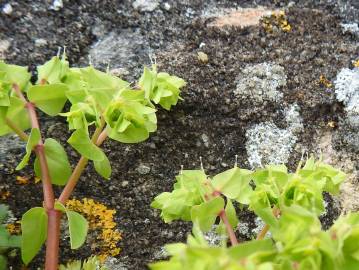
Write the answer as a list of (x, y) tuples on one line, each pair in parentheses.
[(289, 204), (102, 106), (8, 242)]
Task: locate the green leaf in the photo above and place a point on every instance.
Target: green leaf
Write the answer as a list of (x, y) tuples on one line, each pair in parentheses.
[(206, 213), (103, 167), (4, 210), (78, 226), (17, 113), (147, 81), (231, 214), (34, 232), (234, 184), (82, 143), (13, 74), (53, 71), (31, 143), (3, 263), (49, 98), (82, 115), (249, 248), (188, 191), (57, 161), (167, 90), (129, 121)]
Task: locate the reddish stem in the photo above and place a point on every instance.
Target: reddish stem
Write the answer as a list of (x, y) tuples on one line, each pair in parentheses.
[(229, 228), (53, 223), (224, 218), (40, 152), (263, 232)]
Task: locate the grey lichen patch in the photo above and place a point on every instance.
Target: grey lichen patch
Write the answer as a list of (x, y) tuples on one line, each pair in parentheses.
[(112, 263), (213, 238), (268, 144), (293, 118), (260, 82), (347, 89), (352, 28)]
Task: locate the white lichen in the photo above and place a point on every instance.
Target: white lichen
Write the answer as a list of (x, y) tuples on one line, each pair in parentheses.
[(145, 5), (268, 144), (347, 89), (213, 238), (293, 118), (351, 28), (260, 82)]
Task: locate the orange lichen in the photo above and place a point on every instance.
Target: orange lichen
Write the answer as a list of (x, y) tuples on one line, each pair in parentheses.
[(14, 228), (22, 180), (356, 63), (324, 81), (101, 221), (4, 194), (277, 19)]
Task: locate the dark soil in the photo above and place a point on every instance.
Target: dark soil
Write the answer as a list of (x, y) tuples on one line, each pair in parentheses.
[(315, 46)]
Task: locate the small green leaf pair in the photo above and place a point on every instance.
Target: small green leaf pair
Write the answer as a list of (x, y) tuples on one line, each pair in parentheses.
[(34, 230), (82, 143), (56, 157)]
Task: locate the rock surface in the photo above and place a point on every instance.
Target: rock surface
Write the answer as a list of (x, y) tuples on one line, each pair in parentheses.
[(212, 121)]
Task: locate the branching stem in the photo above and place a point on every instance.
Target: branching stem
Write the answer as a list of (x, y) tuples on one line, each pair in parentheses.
[(98, 137), (53, 223)]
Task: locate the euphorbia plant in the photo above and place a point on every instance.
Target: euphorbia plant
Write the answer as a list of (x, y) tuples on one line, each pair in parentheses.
[(288, 203), (108, 104)]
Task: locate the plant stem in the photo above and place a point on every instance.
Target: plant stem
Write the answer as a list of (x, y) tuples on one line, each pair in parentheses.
[(53, 239), (98, 137), (229, 228), (265, 229), (22, 135), (40, 152), (53, 223), (263, 232)]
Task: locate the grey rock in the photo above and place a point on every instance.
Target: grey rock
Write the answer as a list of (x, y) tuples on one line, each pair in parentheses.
[(57, 5), (7, 9), (205, 140), (40, 42), (143, 169), (10, 143), (119, 50)]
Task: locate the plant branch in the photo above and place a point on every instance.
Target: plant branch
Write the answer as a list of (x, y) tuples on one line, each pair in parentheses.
[(98, 137), (22, 135), (229, 228), (53, 223), (40, 152), (265, 229)]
